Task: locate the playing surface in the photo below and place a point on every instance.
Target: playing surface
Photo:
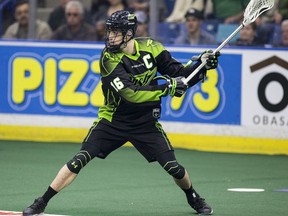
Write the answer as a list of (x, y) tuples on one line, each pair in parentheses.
[(126, 185)]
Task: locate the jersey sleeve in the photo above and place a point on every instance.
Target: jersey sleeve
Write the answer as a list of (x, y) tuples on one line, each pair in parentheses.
[(166, 64), (115, 78)]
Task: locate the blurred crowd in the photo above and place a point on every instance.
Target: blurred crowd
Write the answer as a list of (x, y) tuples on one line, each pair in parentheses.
[(180, 22)]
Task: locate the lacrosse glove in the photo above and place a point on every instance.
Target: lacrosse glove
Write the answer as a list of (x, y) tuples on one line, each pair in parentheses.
[(174, 85), (210, 58)]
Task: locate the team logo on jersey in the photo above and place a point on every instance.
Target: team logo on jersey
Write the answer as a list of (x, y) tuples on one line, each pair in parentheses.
[(74, 165), (143, 79), (156, 113)]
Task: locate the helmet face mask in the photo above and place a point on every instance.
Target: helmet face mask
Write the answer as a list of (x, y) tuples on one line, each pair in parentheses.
[(120, 28), (114, 40)]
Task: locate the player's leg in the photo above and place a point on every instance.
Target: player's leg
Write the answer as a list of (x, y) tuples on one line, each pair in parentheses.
[(65, 176), (99, 142), (181, 177), (152, 142), (62, 179), (185, 182)]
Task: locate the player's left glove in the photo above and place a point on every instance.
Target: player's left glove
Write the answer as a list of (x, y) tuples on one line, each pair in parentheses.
[(174, 86)]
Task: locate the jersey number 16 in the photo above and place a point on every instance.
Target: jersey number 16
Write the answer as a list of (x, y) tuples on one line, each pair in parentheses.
[(117, 84)]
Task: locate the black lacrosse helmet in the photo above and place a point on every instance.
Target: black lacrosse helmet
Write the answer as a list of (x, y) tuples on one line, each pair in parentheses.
[(120, 21)]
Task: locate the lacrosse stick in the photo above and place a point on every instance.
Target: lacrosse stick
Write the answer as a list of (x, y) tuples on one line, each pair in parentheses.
[(252, 11)]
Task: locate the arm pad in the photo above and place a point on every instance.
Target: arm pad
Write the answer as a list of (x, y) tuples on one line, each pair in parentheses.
[(198, 77)]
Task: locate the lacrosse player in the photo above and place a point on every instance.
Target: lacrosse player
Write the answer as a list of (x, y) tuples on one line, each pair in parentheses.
[(132, 107)]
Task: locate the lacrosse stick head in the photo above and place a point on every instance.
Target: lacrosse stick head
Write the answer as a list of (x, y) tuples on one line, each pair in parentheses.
[(255, 8)]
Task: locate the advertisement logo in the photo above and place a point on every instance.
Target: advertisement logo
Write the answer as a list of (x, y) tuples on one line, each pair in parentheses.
[(272, 92), (216, 100), (59, 83), (66, 82), (205, 100), (270, 78)]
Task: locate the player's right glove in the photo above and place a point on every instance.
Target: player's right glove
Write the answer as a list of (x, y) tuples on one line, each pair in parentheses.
[(175, 86), (210, 58)]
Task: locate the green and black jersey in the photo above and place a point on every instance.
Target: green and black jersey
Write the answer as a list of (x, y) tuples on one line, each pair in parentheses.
[(132, 95)]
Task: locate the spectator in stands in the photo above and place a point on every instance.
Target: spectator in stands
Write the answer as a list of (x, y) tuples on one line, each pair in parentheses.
[(229, 11), (248, 36), (181, 6), (282, 12), (268, 24), (226, 11), (19, 30), (142, 24), (57, 17), (104, 12), (284, 31), (138, 5), (179, 10), (143, 5), (194, 34), (75, 29), (97, 5), (7, 19), (275, 15), (271, 16)]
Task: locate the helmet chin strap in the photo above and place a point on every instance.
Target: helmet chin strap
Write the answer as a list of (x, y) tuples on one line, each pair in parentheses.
[(124, 43)]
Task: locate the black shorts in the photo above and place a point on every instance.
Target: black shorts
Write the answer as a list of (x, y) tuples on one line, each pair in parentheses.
[(150, 140)]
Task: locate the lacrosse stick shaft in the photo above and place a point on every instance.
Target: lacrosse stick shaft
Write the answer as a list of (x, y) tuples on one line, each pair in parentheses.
[(187, 79), (254, 9), (228, 38)]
